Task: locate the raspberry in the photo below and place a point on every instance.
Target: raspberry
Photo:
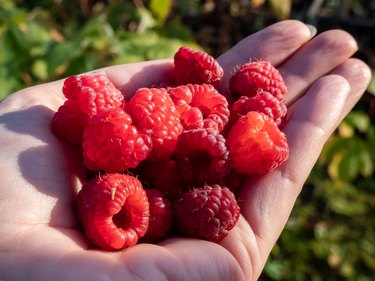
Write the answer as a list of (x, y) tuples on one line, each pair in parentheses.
[(202, 156), (181, 96), (256, 144), (207, 213), (113, 210), (69, 122), (87, 95), (94, 93), (201, 106), (161, 216), (163, 176), (262, 102), (234, 181), (256, 75), (111, 143), (154, 111), (196, 67)]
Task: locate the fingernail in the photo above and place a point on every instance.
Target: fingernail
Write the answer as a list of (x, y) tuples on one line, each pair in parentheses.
[(312, 30)]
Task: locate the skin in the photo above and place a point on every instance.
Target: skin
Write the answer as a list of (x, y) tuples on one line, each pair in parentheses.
[(40, 238)]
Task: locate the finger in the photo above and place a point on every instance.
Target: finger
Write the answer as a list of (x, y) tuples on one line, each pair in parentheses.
[(317, 58), (267, 201), (355, 72), (274, 43)]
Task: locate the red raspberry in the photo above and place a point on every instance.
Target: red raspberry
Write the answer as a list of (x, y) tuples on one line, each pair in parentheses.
[(163, 176), (113, 210), (154, 111), (69, 122), (256, 75), (202, 156), (94, 93), (181, 96), (196, 67), (201, 106), (256, 144), (161, 216), (87, 95), (207, 213), (234, 181), (113, 144), (262, 102)]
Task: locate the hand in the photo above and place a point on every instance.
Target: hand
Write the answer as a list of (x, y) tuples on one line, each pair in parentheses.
[(39, 235)]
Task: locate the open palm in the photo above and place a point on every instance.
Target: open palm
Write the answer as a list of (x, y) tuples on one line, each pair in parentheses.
[(39, 235)]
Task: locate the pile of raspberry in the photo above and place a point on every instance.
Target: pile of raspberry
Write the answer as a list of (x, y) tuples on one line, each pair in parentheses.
[(171, 160)]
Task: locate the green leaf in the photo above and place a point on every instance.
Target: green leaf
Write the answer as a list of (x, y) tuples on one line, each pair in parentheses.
[(39, 69), (160, 9), (175, 29), (274, 269), (334, 145), (370, 134), (359, 120), (348, 206), (355, 160), (366, 165), (348, 167), (146, 20), (371, 86), (60, 54), (7, 5), (81, 63), (7, 85), (281, 8), (34, 33), (164, 48)]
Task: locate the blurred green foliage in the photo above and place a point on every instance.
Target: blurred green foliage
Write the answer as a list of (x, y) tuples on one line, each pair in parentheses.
[(47, 41), (331, 232)]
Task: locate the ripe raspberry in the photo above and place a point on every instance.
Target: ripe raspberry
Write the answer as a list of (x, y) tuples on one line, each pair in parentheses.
[(196, 67), (234, 181), (201, 106), (113, 210), (262, 102), (256, 75), (87, 95), (163, 176), (207, 213), (69, 122), (154, 111), (113, 144), (94, 93), (256, 144), (161, 216), (202, 156), (181, 96)]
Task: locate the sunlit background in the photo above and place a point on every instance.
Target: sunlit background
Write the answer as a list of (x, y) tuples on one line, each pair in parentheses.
[(331, 233)]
